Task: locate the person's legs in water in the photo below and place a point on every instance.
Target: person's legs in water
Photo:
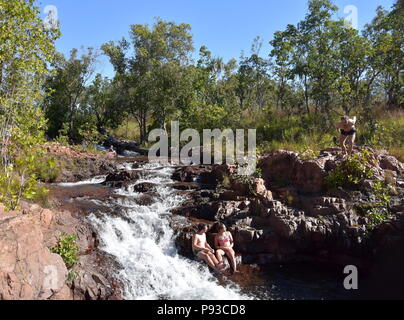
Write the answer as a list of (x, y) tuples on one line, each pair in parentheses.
[(205, 257), (232, 257), (342, 139), (351, 140), (209, 258), (213, 258)]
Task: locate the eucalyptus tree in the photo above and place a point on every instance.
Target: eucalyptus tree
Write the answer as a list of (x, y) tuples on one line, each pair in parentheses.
[(386, 33), (103, 102), (254, 86), (27, 47), (66, 88), (150, 69)]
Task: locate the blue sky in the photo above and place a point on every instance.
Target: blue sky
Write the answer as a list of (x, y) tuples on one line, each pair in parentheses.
[(226, 27)]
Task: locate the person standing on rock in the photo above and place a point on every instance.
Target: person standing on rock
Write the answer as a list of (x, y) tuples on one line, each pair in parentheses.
[(347, 130), (224, 246), (202, 250)]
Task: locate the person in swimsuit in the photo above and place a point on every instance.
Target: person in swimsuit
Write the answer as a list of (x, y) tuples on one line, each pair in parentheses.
[(347, 130), (202, 250), (224, 246)]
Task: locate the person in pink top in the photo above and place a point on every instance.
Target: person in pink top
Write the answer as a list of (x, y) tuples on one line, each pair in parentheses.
[(224, 246)]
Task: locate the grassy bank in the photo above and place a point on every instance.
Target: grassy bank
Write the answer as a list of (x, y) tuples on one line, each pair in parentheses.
[(277, 130)]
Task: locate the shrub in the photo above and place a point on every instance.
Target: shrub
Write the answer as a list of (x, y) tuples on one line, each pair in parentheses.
[(67, 249), (47, 170), (350, 172), (19, 181)]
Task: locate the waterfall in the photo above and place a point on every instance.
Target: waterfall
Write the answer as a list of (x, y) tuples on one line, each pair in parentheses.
[(143, 243)]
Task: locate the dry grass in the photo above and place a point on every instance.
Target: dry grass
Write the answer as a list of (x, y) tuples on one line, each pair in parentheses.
[(128, 130)]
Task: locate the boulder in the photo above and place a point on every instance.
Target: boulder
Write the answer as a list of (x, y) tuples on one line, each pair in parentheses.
[(188, 173), (184, 186), (28, 270), (144, 187), (146, 199), (278, 167), (309, 176), (388, 162), (285, 168), (322, 206)]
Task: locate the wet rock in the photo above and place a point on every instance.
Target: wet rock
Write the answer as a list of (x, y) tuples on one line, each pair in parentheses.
[(122, 175), (146, 199), (183, 242), (88, 283), (144, 187), (183, 186), (189, 174), (217, 174)]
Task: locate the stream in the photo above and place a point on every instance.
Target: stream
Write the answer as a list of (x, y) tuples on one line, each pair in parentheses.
[(142, 242)]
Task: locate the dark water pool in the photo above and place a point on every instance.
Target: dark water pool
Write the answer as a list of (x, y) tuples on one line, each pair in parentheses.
[(299, 281)]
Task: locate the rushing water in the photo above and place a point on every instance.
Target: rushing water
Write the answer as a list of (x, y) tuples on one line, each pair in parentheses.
[(142, 242)]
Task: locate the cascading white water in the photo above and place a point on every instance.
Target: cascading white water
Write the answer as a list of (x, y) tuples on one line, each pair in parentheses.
[(94, 180), (142, 242)]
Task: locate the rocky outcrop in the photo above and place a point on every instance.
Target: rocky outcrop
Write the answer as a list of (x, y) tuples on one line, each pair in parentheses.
[(286, 168), (289, 215), (75, 166), (30, 271)]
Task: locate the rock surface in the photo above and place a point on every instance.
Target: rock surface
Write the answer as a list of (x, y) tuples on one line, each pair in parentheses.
[(289, 215), (75, 166), (30, 271)]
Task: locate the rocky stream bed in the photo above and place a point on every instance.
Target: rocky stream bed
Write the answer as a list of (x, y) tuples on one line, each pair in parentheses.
[(134, 221)]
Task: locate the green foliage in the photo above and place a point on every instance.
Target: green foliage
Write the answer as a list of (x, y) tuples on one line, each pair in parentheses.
[(24, 60), (72, 275), (89, 134), (309, 154), (67, 249), (376, 211), (63, 137), (382, 194), (20, 179), (14, 187), (67, 102), (350, 172), (47, 170), (258, 173), (377, 215), (159, 60)]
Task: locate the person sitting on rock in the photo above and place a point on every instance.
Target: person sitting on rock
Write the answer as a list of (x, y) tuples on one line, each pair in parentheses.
[(347, 131), (202, 250), (224, 246), (112, 150)]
